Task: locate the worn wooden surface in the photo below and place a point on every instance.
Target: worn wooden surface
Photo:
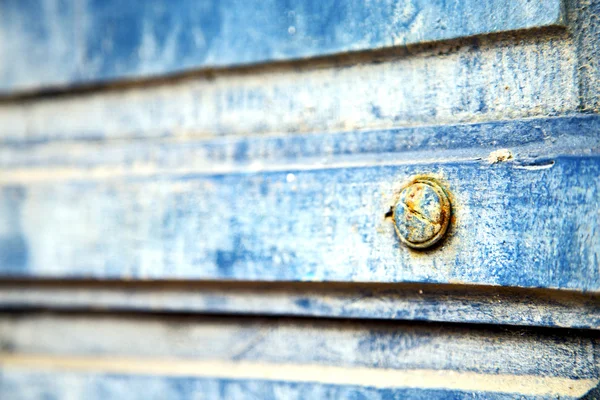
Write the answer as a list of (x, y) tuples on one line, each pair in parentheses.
[(203, 355), (585, 22), (417, 302), (479, 79), (285, 172), (292, 208), (503, 76), (56, 43), (22, 384)]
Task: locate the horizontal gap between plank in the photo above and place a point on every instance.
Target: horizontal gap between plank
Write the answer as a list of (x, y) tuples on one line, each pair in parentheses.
[(472, 304), (549, 33), (170, 284)]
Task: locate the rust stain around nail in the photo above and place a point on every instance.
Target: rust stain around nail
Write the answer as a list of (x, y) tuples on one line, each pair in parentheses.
[(422, 213)]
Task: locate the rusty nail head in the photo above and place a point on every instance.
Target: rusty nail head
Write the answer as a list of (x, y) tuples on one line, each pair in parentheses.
[(422, 213)]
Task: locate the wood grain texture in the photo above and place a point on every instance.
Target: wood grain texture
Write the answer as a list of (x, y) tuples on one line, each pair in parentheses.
[(390, 357), (59, 43), (309, 208), (585, 26)]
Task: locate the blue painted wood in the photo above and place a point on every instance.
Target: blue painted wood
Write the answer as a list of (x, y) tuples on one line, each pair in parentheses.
[(416, 302), (61, 42), (467, 83), (359, 355), (310, 207), (301, 208), (22, 384), (586, 27)]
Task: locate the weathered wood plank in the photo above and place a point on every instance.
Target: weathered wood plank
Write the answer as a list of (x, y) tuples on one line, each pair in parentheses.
[(386, 356), (472, 80), (420, 302), (318, 206), (56, 43), (21, 384)]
